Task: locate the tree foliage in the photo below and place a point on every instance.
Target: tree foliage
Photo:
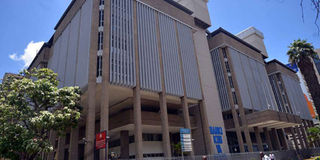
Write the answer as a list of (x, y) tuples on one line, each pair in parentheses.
[(31, 106), (302, 53), (300, 50), (314, 134)]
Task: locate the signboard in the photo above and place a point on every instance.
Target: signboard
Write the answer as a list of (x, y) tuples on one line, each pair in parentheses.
[(294, 67), (217, 133), (217, 139), (101, 140), (219, 148), (216, 130), (185, 137)]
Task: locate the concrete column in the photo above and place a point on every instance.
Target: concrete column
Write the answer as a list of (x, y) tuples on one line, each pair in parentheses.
[(163, 101), (124, 144), (104, 100), (304, 136), (186, 117), (206, 131), (233, 109), (276, 139), (300, 137), (268, 139), (60, 149), (258, 137), (90, 126), (284, 139), (74, 139), (293, 134), (90, 108), (136, 92), (165, 126), (52, 139), (184, 102), (246, 130), (137, 123), (241, 109)]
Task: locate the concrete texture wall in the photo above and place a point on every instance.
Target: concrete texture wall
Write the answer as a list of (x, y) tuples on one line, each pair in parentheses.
[(254, 37), (209, 85), (199, 9)]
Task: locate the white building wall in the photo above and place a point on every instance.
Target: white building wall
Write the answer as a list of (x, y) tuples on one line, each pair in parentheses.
[(70, 59), (199, 9), (209, 85), (254, 87), (72, 51)]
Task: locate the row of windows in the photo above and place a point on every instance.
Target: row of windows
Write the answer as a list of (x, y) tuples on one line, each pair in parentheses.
[(234, 96), (100, 40)]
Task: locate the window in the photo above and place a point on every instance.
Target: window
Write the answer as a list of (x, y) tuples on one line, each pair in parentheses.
[(100, 41), (227, 67), (152, 137), (231, 82), (101, 18), (99, 66), (224, 53), (234, 96), (101, 2)]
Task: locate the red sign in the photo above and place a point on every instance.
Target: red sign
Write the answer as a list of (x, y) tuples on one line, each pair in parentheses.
[(101, 140)]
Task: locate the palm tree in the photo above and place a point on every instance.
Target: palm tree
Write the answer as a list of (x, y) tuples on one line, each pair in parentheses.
[(302, 53)]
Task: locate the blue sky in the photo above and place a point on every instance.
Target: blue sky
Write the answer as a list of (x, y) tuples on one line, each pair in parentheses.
[(25, 24)]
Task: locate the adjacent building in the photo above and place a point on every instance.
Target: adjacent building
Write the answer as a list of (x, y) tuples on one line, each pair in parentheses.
[(256, 104), (290, 99)]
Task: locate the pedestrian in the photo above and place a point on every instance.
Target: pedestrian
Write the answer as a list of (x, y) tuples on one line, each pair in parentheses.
[(272, 157), (261, 155)]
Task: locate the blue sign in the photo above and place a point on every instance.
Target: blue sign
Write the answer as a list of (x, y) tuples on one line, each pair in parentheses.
[(217, 139), (219, 150), (185, 131), (216, 130), (294, 67), (185, 137)]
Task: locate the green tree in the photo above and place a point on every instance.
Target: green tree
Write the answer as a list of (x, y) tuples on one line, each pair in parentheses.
[(31, 106), (301, 53), (314, 134)]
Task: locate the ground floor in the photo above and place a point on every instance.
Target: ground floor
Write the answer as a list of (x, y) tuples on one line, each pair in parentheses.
[(138, 123), (267, 131)]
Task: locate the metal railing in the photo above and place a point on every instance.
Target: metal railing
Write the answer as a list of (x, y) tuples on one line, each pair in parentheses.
[(279, 155)]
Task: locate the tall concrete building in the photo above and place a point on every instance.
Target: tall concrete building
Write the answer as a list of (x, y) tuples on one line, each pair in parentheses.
[(255, 109), (145, 71), (290, 99)]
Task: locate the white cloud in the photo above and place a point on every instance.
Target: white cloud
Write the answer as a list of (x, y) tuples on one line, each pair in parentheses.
[(29, 53)]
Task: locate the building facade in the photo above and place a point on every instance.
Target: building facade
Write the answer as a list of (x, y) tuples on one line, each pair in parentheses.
[(144, 69), (255, 108), (148, 68)]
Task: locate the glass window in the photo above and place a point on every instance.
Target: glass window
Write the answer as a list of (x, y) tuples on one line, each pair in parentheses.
[(101, 18), (227, 67), (231, 82), (234, 96), (224, 53)]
